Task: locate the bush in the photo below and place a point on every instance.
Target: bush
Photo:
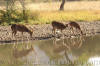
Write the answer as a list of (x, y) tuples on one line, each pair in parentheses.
[(17, 16)]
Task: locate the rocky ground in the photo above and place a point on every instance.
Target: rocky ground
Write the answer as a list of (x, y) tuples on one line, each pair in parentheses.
[(45, 32)]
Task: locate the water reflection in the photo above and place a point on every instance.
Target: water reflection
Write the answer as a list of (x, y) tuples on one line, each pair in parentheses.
[(59, 47), (21, 53), (26, 53), (95, 61), (76, 51), (66, 47)]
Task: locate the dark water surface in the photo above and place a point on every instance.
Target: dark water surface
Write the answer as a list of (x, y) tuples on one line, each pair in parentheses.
[(80, 51)]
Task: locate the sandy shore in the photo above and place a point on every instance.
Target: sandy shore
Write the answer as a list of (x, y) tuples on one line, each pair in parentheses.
[(45, 32)]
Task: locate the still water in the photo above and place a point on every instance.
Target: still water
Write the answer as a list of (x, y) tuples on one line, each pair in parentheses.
[(79, 51)]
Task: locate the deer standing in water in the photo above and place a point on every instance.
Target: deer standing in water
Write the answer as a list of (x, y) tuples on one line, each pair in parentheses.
[(73, 24), (57, 25), (20, 28)]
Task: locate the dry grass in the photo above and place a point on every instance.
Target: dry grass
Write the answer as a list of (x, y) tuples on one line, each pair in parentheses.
[(76, 11), (77, 5), (69, 15), (52, 6)]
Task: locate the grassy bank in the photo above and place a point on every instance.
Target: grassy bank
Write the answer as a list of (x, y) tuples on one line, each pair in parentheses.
[(44, 13), (45, 17)]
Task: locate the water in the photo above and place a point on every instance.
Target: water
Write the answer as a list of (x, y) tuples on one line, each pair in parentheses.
[(81, 51)]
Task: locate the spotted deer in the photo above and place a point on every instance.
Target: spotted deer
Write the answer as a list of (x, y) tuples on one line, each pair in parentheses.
[(57, 25), (73, 24), (20, 28)]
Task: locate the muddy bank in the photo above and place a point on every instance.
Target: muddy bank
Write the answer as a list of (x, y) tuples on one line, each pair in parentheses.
[(45, 32)]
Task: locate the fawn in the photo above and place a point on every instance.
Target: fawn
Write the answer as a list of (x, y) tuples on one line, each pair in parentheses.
[(20, 28), (57, 25), (73, 24)]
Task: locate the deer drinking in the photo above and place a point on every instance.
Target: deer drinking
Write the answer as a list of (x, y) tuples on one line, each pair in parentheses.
[(73, 24), (20, 28), (57, 25)]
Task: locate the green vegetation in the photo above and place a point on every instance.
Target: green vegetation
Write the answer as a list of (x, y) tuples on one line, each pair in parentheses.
[(43, 17)]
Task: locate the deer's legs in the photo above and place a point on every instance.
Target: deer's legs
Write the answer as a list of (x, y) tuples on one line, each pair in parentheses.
[(61, 31), (79, 31), (15, 33), (12, 33), (71, 30), (53, 31), (30, 36), (22, 34)]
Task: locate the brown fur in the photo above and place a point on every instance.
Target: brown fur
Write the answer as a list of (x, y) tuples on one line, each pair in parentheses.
[(20, 28), (75, 25), (57, 25)]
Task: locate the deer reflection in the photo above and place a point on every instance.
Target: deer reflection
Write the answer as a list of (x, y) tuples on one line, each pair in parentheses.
[(62, 48), (69, 43), (67, 46), (21, 53), (59, 48), (77, 42)]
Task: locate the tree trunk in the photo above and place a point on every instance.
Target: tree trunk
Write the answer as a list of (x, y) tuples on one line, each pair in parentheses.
[(62, 5), (7, 15), (24, 10)]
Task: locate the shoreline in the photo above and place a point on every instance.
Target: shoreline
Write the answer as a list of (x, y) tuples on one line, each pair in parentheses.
[(41, 32)]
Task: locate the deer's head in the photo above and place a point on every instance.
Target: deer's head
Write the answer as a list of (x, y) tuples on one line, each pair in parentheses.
[(31, 32), (66, 25)]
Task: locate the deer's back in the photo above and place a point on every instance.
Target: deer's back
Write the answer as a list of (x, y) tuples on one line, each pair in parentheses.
[(74, 24), (18, 27), (58, 25)]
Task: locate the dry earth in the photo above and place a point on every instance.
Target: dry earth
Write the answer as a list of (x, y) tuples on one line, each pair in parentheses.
[(45, 32)]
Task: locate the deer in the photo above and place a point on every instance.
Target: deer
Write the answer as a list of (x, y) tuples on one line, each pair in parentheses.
[(73, 24), (21, 28), (57, 25)]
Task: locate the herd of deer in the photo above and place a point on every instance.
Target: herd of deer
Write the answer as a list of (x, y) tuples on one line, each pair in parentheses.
[(55, 24)]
